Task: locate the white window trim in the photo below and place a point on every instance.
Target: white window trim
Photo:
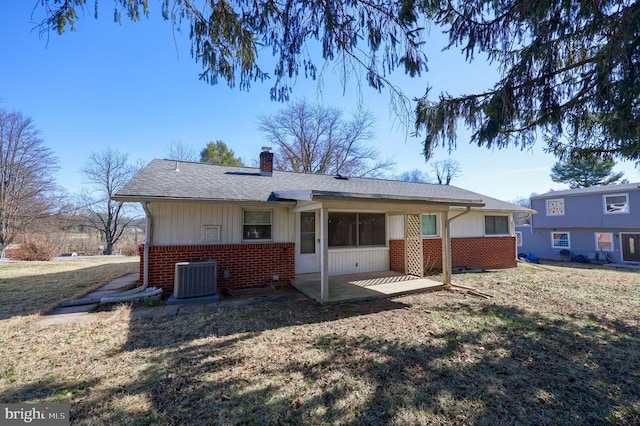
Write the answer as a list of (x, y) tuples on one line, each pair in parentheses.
[(242, 225), (604, 203), (437, 234), (518, 235), (546, 205), (595, 238), (484, 224), (568, 240)]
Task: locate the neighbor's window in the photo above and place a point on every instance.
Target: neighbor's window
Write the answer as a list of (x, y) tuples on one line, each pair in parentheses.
[(616, 203), (356, 229), (429, 225), (496, 225), (604, 241), (256, 225), (560, 240), (555, 207)]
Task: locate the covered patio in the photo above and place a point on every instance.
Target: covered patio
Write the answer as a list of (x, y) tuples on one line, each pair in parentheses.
[(366, 286)]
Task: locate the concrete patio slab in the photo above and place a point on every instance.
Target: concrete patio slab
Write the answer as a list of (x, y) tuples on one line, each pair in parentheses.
[(368, 286)]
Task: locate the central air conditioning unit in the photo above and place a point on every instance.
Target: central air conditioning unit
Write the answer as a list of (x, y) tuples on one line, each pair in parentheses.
[(195, 279)]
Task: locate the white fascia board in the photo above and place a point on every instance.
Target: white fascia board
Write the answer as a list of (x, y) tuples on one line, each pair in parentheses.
[(391, 197), (305, 207), (311, 195), (302, 195)]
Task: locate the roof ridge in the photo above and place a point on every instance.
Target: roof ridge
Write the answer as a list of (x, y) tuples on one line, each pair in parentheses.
[(590, 189)]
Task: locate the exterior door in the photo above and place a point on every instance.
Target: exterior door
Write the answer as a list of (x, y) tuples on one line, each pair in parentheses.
[(630, 247), (307, 245)]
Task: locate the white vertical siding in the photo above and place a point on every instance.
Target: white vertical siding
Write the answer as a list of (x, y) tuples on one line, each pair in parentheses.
[(181, 223), (396, 227), (468, 225), (353, 261)]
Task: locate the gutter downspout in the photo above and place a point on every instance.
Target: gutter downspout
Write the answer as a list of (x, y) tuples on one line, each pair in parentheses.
[(446, 247), (527, 216), (142, 292), (134, 292), (148, 239)]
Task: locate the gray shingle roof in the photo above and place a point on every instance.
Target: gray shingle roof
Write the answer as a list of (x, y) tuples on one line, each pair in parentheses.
[(171, 180), (603, 189)]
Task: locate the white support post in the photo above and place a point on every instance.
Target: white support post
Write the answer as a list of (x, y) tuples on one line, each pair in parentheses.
[(324, 255), (446, 249)]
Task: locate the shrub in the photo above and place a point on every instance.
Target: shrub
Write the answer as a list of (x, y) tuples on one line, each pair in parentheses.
[(130, 250), (36, 247)]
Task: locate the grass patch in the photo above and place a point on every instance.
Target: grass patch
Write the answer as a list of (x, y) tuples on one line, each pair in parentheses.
[(550, 347)]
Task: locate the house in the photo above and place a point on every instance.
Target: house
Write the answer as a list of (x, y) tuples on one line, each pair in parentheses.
[(264, 227), (598, 223)]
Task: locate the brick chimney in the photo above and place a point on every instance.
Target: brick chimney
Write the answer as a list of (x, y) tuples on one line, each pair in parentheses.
[(266, 161)]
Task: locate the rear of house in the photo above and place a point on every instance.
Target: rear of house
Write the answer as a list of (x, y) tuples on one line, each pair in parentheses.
[(264, 227), (599, 224)]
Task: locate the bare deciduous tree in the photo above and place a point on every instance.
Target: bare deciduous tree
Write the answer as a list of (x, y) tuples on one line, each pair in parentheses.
[(318, 139), (107, 171), (523, 219), (415, 175), (446, 171), (177, 150), (26, 176)]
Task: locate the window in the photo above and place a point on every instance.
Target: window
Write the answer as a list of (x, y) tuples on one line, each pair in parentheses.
[(555, 207), (256, 225), (519, 238), (356, 229), (371, 229), (560, 240), (496, 225), (616, 203), (429, 225), (604, 241), (307, 232)]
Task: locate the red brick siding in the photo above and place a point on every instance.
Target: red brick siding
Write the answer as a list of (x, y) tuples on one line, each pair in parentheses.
[(249, 265), (396, 255), (469, 253), (484, 253), (432, 253)]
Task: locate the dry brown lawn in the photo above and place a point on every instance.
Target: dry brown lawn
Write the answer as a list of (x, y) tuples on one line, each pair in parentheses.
[(550, 347), (37, 287)]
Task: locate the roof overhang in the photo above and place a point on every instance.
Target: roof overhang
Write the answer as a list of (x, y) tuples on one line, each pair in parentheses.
[(315, 195), (150, 199)]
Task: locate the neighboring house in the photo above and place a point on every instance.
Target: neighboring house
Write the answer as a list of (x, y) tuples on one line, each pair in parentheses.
[(599, 223), (264, 227)]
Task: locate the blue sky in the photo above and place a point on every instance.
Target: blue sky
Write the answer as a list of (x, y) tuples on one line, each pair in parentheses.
[(135, 87)]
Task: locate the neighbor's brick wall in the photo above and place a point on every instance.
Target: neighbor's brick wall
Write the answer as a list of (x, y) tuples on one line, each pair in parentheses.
[(469, 253), (249, 265)]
